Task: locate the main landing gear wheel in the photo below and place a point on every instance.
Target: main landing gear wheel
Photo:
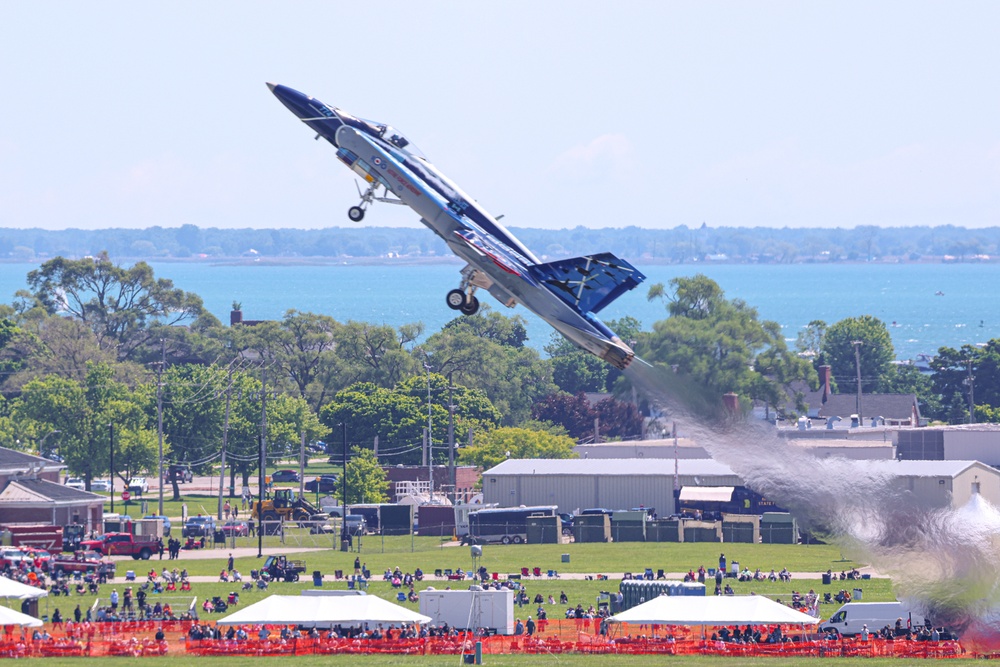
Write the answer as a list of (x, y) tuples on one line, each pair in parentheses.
[(455, 299), (471, 306), (356, 213)]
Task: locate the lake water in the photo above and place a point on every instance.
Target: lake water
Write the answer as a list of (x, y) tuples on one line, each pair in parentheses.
[(791, 295)]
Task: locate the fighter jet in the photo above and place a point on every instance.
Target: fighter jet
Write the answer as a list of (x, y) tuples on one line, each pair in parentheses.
[(566, 293)]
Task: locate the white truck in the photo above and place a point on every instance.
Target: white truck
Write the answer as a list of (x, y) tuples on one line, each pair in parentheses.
[(853, 616)]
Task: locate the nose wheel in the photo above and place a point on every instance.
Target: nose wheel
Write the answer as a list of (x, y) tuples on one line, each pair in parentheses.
[(457, 299), (356, 213)]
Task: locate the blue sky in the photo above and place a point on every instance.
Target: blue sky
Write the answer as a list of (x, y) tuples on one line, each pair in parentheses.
[(556, 114)]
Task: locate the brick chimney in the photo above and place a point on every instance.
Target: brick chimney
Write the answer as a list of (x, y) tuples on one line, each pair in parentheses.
[(732, 403), (824, 381), (235, 317)]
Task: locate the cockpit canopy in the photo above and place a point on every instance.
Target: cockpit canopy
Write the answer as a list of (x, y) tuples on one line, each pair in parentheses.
[(387, 133), (393, 136)]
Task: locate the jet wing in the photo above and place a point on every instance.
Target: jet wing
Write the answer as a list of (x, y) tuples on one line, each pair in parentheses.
[(588, 283)]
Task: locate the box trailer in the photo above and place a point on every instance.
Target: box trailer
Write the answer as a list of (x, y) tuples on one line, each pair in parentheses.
[(471, 609)]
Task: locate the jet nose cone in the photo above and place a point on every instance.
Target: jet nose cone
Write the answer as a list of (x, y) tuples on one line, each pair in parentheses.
[(270, 86)]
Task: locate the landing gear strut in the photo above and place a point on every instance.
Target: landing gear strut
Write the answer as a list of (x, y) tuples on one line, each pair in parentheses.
[(357, 213)]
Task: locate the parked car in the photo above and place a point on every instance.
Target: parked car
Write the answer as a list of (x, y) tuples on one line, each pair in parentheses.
[(165, 520), (284, 476), (138, 486), (100, 485), (235, 528), (326, 484), (75, 483), (180, 472), (355, 524), (199, 526)]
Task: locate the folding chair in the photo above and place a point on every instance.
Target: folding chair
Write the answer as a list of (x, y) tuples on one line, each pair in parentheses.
[(338, 574), (496, 576), (660, 574), (537, 572), (525, 572), (553, 574), (437, 573), (447, 572), (649, 573)]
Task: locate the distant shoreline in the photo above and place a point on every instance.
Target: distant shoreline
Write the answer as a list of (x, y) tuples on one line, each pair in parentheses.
[(445, 260)]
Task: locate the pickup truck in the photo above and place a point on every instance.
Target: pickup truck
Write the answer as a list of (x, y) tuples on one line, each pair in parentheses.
[(122, 544), (85, 562)]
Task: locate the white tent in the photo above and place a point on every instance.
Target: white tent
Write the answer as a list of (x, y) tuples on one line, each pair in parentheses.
[(713, 610), (11, 617), (323, 611), (15, 589)]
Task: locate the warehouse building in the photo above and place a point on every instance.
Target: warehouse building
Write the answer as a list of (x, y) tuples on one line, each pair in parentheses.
[(578, 484), (965, 442)]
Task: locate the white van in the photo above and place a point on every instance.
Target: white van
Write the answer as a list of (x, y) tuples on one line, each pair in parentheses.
[(849, 619)]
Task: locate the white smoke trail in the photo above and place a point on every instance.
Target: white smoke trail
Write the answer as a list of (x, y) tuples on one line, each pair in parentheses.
[(945, 561)]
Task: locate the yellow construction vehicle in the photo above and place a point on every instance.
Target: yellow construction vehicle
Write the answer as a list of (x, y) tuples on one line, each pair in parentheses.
[(284, 505)]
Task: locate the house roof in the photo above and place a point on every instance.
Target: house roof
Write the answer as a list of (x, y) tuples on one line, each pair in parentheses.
[(621, 467), (890, 406), (12, 460), (26, 490), (701, 467)]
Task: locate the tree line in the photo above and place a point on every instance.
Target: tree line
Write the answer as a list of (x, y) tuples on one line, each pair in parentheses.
[(92, 354), (678, 244)]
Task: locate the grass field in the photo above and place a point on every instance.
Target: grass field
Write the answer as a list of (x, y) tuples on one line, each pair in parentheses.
[(611, 559), (578, 592)]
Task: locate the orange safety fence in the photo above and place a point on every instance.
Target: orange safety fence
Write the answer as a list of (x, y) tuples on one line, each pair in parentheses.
[(587, 644), (63, 648)]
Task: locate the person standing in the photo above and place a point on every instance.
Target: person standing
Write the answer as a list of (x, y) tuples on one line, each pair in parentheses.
[(531, 627), (357, 565), (229, 563)]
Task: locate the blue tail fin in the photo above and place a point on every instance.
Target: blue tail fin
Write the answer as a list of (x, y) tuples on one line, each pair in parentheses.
[(588, 283)]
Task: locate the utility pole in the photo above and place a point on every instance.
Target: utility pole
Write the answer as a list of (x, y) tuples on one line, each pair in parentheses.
[(343, 507), (262, 463), (159, 418), (225, 436), (451, 439), (430, 437), (857, 364), (111, 435), (972, 400)]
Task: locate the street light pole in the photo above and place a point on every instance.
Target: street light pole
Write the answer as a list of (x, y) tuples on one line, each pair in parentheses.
[(343, 506), (857, 364), (430, 439), (111, 433)]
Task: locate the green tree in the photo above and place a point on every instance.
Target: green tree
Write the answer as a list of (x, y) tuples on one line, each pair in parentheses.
[(574, 370), (397, 416), (493, 447), (474, 352), (376, 353), (366, 479), (876, 352), (82, 413), (118, 304), (716, 345)]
